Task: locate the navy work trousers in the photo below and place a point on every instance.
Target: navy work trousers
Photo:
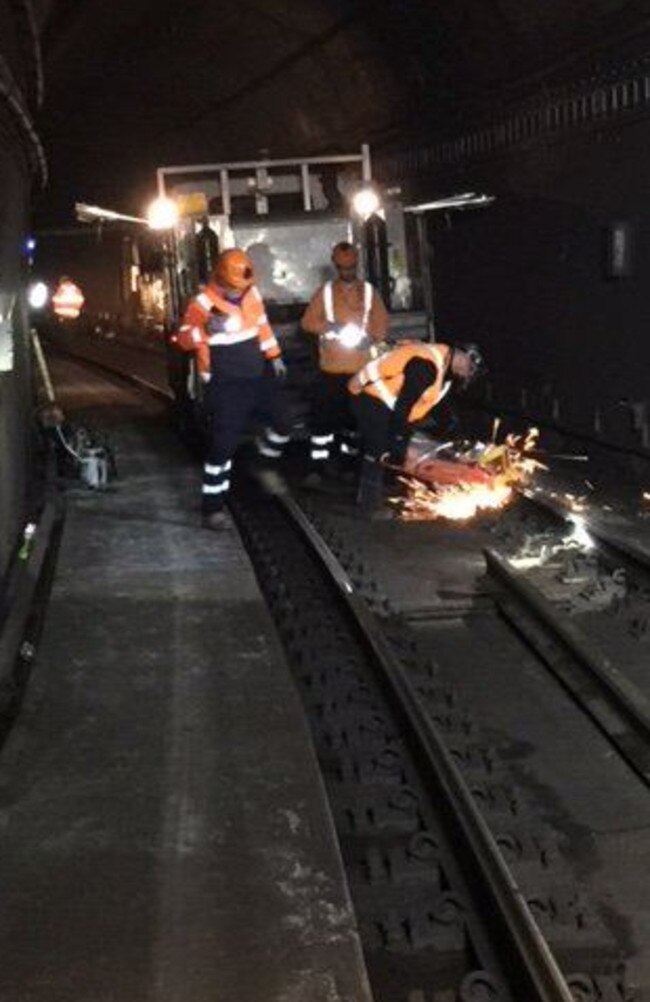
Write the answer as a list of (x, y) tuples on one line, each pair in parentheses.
[(232, 403), (331, 421)]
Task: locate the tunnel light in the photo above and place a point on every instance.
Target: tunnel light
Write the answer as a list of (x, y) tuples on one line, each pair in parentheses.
[(365, 202), (38, 295), (162, 214)]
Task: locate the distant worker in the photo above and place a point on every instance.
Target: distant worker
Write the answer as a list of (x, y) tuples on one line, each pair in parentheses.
[(207, 250), (393, 393), (348, 317), (239, 360), (68, 299)]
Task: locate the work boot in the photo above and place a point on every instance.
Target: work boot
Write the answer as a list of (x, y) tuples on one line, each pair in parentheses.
[(342, 470), (317, 481), (215, 520)]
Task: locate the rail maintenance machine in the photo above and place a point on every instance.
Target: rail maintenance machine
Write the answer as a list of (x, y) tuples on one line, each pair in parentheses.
[(287, 215)]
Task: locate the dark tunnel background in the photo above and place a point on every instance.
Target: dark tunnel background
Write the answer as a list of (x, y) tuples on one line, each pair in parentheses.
[(542, 104)]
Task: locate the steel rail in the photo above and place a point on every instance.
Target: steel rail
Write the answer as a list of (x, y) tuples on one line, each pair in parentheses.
[(620, 708), (527, 956), (163, 393)]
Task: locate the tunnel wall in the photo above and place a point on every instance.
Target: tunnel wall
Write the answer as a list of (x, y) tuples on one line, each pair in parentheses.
[(553, 279), (15, 377), (17, 168)]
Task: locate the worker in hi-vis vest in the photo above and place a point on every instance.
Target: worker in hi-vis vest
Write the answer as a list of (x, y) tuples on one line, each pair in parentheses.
[(394, 392), (239, 360), (348, 317)]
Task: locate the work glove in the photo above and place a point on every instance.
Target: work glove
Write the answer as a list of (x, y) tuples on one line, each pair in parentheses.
[(279, 368)]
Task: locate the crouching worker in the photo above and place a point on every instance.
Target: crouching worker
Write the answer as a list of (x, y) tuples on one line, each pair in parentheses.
[(239, 360), (392, 394)]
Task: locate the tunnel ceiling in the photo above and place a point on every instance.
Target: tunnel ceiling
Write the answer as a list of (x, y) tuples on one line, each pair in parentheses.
[(209, 80)]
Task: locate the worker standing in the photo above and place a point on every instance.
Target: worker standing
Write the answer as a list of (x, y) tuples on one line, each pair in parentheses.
[(67, 300), (239, 360), (391, 394), (348, 317)]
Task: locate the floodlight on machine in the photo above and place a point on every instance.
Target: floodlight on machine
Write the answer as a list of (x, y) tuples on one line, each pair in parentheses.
[(162, 214), (366, 202)]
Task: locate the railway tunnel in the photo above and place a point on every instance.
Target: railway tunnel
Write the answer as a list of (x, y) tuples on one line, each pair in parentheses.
[(318, 754)]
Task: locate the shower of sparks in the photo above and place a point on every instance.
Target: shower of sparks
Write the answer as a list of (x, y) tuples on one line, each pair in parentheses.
[(457, 502), (494, 470)]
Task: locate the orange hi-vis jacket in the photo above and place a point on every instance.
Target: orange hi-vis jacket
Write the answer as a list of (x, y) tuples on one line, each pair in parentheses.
[(383, 378), (225, 334)]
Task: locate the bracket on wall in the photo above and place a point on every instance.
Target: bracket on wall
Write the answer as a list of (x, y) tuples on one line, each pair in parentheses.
[(619, 250)]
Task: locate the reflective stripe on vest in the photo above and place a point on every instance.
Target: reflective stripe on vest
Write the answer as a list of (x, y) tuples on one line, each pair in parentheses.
[(441, 362), (226, 338), (371, 375), (328, 303)]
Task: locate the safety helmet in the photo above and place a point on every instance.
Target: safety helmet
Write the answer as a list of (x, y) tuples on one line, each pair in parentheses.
[(476, 357), (477, 363), (234, 270), (344, 255)]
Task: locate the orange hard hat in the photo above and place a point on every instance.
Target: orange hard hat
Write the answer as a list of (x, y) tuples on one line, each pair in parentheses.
[(345, 255), (234, 270)]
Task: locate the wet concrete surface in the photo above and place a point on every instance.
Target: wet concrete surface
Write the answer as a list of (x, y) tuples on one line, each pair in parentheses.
[(163, 830)]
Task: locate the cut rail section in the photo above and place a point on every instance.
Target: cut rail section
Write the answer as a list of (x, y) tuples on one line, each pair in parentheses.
[(620, 708), (635, 552)]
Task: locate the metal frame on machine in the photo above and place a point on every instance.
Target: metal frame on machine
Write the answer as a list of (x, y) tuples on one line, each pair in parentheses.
[(261, 168)]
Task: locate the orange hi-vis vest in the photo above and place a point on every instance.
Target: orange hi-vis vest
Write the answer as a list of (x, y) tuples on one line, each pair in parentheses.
[(239, 322), (68, 300), (383, 378), (337, 304)]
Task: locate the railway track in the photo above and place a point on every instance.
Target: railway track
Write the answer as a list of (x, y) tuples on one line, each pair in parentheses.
[(455, 899), (557, 602), (421, 797)]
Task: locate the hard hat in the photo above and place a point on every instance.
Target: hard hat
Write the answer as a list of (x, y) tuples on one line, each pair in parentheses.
[(234, 270), (475, 355), (477, 363), (345, 255)]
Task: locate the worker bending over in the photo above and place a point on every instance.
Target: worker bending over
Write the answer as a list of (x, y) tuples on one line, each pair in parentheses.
[(239, 360), (391, 394), (348, 317)]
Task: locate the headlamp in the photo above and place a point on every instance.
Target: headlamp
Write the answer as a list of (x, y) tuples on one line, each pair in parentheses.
[(351, 335)]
